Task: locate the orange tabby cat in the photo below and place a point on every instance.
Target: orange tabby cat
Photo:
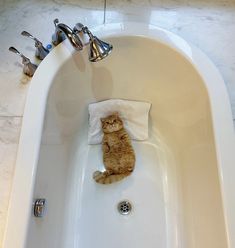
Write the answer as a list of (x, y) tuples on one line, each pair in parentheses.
[(118, 154)]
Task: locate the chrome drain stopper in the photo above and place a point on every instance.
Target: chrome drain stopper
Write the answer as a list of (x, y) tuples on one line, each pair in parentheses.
[(124, 207)]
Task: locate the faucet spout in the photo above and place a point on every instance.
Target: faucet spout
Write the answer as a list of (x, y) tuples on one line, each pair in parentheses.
[(62, 31)]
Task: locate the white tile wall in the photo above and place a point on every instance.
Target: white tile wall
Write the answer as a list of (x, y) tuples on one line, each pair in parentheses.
[(209, 24)]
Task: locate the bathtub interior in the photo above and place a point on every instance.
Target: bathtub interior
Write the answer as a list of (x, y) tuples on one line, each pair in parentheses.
[(174, 189)]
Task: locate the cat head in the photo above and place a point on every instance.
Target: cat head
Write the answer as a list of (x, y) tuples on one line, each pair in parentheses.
[(111, 123)]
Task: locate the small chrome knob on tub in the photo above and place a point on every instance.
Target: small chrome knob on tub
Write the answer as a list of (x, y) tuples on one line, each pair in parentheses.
[(39, 207), (41, 51), (29, 68)]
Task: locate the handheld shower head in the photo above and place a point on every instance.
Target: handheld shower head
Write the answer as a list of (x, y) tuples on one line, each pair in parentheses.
[(98, 48)]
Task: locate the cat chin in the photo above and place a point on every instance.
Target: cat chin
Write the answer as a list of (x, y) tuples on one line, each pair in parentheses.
[(112, 130)]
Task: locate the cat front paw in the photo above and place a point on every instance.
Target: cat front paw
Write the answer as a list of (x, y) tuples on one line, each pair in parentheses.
[(106, 147), (97, 175)]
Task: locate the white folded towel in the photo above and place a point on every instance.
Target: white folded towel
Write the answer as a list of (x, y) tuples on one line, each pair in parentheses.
[(134, 115)]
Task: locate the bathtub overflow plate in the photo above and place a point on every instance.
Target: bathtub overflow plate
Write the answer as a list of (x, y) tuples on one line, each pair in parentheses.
[(39, 207), (124, 207)]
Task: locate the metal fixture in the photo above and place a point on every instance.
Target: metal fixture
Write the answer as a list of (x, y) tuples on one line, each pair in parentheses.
[(98, 48), (124, 207), (39, 207), (29, 68), (62, 30), (41, 51)]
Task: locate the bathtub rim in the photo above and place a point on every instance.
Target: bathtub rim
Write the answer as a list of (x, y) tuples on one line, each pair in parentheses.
[(29, 144)]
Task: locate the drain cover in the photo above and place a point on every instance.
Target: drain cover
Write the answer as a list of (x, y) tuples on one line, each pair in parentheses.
[(124, 207)]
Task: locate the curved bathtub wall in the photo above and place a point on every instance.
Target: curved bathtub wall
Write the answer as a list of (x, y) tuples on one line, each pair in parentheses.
[(189, 207), (180, 171)]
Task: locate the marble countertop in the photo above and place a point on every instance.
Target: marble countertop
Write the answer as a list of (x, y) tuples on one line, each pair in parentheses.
[(208, 24)]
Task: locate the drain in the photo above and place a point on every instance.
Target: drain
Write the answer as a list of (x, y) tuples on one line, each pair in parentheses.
[(124, 207)]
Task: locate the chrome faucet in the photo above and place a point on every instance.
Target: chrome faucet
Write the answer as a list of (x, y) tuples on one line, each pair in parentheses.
[(62, 31), (41, 51), (98, 48), (29, 68)]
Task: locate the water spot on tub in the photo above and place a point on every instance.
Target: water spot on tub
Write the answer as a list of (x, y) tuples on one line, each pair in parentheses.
[(101, 83)]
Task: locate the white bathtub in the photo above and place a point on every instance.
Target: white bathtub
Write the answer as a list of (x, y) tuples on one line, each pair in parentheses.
[(181, 189)]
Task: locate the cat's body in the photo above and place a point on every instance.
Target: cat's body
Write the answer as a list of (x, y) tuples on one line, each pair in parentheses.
[(118, 154)]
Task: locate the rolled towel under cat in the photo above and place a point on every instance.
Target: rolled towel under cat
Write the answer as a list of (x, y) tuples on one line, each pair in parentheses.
[(118, 153)]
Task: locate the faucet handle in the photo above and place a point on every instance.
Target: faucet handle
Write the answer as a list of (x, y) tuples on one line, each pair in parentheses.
[(57, 37), (14, 50), (29, 68), (27, 34), (41, 51), (56, 21)]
